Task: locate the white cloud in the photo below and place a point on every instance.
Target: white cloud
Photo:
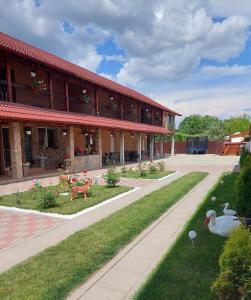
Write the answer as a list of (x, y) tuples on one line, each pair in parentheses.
[(226, 8), (226, 70), (222, 101), (163, 40)]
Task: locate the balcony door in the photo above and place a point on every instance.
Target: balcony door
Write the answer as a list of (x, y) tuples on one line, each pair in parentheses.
[(5, 148)]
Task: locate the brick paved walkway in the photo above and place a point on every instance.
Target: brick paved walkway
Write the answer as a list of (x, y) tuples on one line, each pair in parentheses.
[(16, 227)]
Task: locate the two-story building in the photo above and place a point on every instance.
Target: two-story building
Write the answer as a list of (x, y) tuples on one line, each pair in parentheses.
[(55, 113)]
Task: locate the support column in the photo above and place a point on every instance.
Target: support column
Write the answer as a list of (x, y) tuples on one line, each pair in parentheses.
[(97, 102), (70, 150), (139, 138), (51, 91), (9, 82), (151, 146), (100, 147), (67, 95), (16, 150), (172, 147), (122, 148), (162, 149)]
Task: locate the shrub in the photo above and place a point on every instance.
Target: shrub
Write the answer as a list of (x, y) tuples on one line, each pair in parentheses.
[(161, 166), (111, 177), (142, 170), (243, 204), (46, 198), (245, 158), (234, 280), (123, 170), (152, 169)]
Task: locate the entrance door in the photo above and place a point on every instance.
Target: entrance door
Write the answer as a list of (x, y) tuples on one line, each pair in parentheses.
[(6, 147), (27, 144)]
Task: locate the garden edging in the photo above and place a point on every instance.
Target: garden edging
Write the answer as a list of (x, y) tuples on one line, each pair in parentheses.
[(72, 216)]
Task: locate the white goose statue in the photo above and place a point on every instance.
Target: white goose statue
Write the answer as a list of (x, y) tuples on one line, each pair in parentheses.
[(227, 211), (222, 225)]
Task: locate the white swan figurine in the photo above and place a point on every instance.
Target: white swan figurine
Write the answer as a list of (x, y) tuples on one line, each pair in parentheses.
[(227, 211), (222, 225)]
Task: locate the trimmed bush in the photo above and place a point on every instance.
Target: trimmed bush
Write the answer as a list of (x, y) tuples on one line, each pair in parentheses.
[(245, 158), (111, 177), (152, 169), (161, 166), (234, 280), (46, 198), (243, 184), (142, 170)]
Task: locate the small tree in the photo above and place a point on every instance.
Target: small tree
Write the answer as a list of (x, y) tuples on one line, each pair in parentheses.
[(234, 280), (243, 204), (112, 177)]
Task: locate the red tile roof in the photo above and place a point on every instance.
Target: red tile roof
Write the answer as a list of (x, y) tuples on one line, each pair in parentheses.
[(20, 112), (18, 47)]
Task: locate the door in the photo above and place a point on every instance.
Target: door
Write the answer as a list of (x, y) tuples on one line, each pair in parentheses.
[(6, 147), (27, 144)]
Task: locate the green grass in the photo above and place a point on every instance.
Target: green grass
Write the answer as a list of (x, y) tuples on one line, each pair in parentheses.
[(99, 194), (187, 273), (135, 174), (54, 272)]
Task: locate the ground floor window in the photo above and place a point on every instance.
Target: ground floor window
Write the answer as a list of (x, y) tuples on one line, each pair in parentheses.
[(47, 138)]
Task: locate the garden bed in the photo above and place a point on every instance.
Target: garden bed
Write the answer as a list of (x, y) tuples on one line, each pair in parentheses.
[(98, 194), (55, 271), (136, 174), (187, 273)]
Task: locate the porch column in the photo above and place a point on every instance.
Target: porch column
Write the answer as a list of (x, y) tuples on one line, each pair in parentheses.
[(100, 147), (71, 148), (122, 148), (162, 148), (139, 137), (172, 146), (16, 150), (151, 146)]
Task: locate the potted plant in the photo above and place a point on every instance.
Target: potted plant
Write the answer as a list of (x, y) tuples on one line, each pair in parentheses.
[(26, 168)]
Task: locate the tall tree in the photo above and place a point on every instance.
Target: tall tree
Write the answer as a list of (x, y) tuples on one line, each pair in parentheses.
[(200, 125), (237, 124)]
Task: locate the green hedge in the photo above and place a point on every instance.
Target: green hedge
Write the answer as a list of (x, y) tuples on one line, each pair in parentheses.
[(234, 280), (243, 185), (245, 158)]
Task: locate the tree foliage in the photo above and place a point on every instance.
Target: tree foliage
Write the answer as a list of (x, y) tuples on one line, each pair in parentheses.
[(237, 124), (211, 126), (199, 125)]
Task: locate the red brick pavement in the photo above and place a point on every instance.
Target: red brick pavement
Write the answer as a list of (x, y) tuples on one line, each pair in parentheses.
[(17, 226)]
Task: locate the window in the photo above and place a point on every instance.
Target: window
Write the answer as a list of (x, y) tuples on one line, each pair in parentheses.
[(47, 137), (52, 137), (170, 121)]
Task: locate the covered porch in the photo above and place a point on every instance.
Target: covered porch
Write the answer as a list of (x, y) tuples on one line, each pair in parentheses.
[(36, 141)]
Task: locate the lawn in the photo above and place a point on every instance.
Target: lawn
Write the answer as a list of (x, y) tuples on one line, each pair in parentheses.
[(98, 194), (57, 270), (187, 273), (135, 174)]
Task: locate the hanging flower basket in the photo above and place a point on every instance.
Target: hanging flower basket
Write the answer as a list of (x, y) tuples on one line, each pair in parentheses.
[(133, 112), (35, 85), (85, 98), (148, 114)]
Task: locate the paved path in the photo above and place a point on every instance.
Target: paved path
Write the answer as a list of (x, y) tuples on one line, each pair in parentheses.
[(30, 246), (124, 274), (41, 237), (16, 227)]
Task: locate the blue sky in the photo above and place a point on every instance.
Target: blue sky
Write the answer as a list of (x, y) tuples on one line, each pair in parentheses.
[(191, 55)]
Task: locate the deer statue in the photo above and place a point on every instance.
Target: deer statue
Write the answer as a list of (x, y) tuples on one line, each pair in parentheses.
[(81, 189), (65, 180)]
